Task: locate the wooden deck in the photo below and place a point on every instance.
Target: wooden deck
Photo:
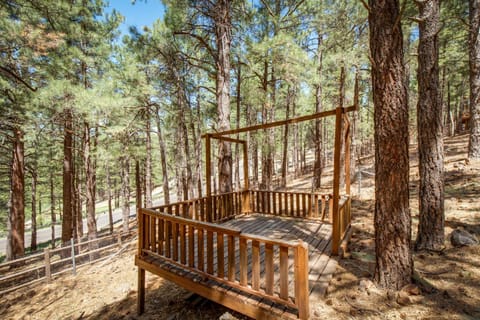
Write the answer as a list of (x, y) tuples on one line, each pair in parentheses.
[(241, 291)]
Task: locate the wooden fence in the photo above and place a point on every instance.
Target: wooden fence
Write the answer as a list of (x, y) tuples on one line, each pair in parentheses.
[(44, 266)]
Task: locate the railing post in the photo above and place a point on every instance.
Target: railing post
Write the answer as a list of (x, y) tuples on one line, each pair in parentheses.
[(74, 267), (336, 181), (48, 272), (141, 232), (301, 280)]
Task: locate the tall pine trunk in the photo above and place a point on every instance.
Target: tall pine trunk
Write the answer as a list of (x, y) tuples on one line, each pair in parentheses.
[(33, 243), (223, 38), (148, 164), (394, 263), (67, 218), (90, 181), (16, 219), (431, 225), (125, 161), (317, 165), (474, 50), (163, 159), (109, 196)]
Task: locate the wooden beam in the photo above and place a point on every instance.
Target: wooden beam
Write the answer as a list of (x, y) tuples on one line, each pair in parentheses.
[(274, 124), (230, 301), (336, 181), (227, 139)]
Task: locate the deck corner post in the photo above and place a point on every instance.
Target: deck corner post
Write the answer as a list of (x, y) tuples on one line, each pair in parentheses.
[(141, 231), (141, 291), (301, 280), (336, 181)]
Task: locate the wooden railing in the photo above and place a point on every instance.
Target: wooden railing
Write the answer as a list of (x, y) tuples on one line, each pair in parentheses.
[(242, 261), (292, 204), (224, 207)]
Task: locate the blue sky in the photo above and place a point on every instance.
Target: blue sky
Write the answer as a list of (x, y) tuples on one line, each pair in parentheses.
[(142, 13)]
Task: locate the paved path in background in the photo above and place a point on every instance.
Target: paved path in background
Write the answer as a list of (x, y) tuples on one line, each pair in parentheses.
[(45, 234)]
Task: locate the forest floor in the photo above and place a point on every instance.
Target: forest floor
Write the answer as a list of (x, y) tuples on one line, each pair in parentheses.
[(108, 290)]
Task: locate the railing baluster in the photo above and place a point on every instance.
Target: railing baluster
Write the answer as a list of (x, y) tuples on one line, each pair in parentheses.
[(183, 245), (255, 264), (243, 262), (175, 241), (269, 268), (209, 252), (191, 246), (161, 236), (201, 251), (231, 258), (220, 256), (168, 232), (283, 272), (274, 202)]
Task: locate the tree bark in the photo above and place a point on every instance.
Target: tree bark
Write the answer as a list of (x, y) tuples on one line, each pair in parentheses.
[(474, 50), (109, 196), (16, 218), (125, 160), (53, 217), (431, 225), (33, 243), (317, 165), (67, 218), (148, 164), (90, 181), (283, 182), (163, 159), (394, 264), (223, 39)]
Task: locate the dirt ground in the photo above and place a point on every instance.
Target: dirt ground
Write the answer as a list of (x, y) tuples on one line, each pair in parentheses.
[(447, 285)]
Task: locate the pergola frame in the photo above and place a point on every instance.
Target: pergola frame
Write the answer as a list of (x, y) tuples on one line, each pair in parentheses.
[(341, 116)]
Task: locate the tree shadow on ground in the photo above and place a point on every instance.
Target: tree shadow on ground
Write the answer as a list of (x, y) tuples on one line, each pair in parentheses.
[(453, 274)]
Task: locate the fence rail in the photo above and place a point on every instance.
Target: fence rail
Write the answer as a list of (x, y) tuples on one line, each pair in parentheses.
[(53, 262)]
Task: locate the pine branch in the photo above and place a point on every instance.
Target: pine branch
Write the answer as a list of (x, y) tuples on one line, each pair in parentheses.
[(15, 77)]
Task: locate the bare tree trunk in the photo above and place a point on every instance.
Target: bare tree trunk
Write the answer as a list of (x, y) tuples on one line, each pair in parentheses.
[(296, 152), (67, 218), (163, 159), (33, 243), (474, 50), (109, 196), (53, 217), (317, 166), (223, 39), (148, 164), (198, 149), (431, 235), (125, 160), (285, 140), (237, 152), (89, 185), (394, 263), (16, 219)]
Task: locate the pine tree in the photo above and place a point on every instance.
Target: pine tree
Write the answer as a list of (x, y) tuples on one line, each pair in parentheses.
[(394, 264)]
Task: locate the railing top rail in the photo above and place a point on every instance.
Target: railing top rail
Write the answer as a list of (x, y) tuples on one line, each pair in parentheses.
[(190, 222), (295, 192), (275, 242)]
